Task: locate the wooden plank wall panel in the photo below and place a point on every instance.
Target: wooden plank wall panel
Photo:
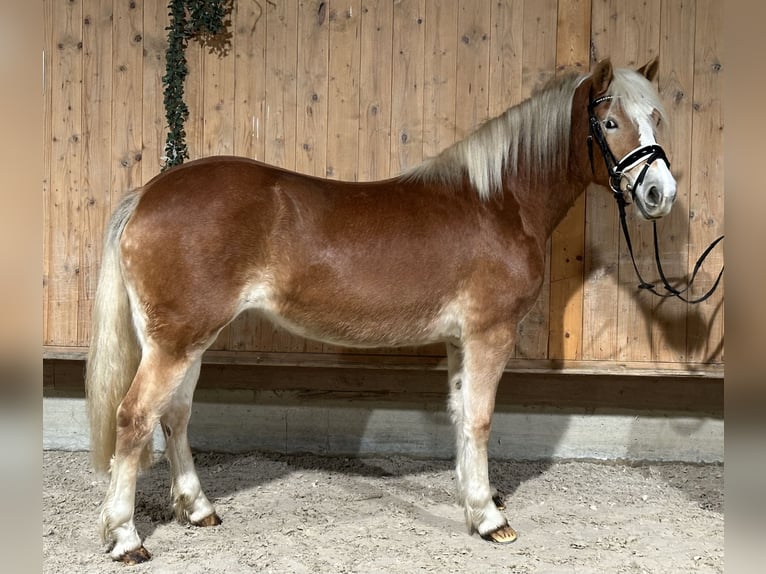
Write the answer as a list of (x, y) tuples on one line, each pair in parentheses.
[(407, 85), (362, 91), (568, 239), (472, 79), (96, 146), (312, 86), (343, 104), (538, 66), (440, 70), (705, 324), (194, 96), (127, 99), (48, 50), (280, 80), (637, 26), (505, 51), (156, 19), (249, 46), (668, 338), (63, 232), (377, 37)]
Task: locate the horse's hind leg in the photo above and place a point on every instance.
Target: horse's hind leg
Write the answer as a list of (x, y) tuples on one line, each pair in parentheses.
[(189, 502), (156, 380), (474, 373)]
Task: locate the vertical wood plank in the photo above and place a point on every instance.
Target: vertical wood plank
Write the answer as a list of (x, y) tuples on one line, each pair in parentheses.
[(97, 146), (343, 104), (281, 64), (538, 66), (127, 90), (601, 230), (601, 234), (539, 39), (637, 28), (440, 70), (194, 96), (66, 163), (568, 239), (154, 130), (375, 90), (249, 41), (472, 78), (312, 86), (506, 49), (218, 103), (705, 323), (407, 79), (48, 50), (676, 84)]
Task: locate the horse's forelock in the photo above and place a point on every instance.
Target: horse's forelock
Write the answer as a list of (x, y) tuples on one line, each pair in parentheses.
[(637, 95)]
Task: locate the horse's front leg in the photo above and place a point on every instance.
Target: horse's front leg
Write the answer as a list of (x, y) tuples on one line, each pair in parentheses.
[(475, 368)]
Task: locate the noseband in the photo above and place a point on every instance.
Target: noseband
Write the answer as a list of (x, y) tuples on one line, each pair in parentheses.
[(616, 169)]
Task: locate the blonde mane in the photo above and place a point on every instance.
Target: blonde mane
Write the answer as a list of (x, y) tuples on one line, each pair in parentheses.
[(533, 134)]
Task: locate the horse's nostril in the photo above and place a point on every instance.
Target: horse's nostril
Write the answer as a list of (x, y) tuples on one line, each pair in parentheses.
[(653, 196)]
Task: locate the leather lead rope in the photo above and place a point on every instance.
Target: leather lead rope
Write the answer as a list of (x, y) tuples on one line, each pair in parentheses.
[(671, 291)]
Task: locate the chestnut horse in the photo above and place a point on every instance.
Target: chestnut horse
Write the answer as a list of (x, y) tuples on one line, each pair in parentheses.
[(451, 251)]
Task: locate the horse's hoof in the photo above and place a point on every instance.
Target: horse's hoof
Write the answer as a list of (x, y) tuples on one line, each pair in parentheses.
[(210, 520), (503, 535), (499, 502), (137, 556)]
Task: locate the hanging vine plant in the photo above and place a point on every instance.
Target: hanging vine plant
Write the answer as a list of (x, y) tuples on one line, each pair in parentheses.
[(206, 21)]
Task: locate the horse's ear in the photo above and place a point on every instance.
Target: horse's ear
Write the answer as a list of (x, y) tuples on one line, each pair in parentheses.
[(602, 76), (650, 69)]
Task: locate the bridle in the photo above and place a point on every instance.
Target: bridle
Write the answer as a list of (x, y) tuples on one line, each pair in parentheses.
[(647, 154)]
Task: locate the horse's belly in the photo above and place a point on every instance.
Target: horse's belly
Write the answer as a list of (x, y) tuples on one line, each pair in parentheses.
[(354, 322)]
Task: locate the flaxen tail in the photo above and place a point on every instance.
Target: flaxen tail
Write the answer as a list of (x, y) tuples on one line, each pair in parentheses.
[(114, 351)]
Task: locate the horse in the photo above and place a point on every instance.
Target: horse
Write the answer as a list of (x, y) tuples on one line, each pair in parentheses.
[(450, 251)]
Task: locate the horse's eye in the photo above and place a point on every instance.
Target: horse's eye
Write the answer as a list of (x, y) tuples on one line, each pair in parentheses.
[(610, 124)]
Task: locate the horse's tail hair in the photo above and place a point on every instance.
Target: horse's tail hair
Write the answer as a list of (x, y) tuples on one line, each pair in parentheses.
[(114, 351)]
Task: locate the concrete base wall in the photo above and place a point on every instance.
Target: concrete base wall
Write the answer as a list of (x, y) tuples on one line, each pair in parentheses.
[(419, 430)]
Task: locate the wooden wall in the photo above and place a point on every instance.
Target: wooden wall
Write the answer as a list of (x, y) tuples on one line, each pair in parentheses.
[(361, 90)]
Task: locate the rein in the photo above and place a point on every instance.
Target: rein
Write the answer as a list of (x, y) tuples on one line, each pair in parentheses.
[(617, 169)]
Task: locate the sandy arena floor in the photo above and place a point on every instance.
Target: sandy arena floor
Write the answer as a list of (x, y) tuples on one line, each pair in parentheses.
[(298, 514)]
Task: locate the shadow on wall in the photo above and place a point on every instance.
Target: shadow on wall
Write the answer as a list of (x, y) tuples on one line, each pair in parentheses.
[(683, 332)]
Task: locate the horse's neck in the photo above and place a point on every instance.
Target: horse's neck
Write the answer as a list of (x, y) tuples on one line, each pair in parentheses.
[(544, 205)]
